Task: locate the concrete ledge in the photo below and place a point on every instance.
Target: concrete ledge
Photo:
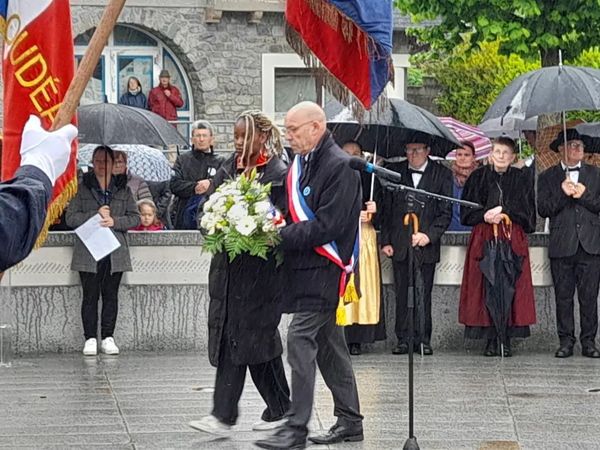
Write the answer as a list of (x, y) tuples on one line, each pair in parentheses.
[(164, 301)]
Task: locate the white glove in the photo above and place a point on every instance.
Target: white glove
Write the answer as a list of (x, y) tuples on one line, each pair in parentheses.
[(47, 151)]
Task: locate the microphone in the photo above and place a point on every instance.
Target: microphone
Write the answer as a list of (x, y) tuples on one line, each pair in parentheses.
[(359, 164)]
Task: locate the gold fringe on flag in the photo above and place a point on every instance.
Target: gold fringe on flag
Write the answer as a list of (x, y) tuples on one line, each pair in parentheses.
[(56, 208)]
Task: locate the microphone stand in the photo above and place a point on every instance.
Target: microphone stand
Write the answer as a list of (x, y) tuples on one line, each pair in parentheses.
[(411, 220)]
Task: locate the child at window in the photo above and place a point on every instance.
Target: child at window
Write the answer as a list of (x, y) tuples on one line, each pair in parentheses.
[(149, 219)]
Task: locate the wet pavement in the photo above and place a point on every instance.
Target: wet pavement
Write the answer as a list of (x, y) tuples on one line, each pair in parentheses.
[(144, 400)]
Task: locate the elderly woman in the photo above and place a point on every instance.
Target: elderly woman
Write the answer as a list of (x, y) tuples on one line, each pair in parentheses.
[(501, 189), (245, 295), (101, 192)]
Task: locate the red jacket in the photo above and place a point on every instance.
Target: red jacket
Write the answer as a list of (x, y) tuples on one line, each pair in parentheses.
[(154, 227), (162, 105)]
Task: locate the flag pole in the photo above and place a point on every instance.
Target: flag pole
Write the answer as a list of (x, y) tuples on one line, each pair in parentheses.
[(88, 63)]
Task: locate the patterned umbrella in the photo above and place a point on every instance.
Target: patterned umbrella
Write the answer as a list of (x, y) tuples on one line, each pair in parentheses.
[(146, 162), (465, 132)]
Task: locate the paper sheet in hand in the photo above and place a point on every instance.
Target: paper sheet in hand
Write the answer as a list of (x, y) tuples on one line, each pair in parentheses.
[(100, 241)]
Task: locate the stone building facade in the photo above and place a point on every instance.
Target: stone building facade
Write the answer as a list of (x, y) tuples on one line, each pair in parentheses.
[(228, 55)]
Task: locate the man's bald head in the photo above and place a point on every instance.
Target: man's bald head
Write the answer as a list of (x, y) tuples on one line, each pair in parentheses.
[(305, 125), (308, 111)]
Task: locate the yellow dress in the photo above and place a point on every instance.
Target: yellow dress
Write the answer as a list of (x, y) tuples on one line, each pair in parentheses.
[(366, 310)]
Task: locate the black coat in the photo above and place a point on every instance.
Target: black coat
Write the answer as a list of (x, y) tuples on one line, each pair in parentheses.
[(245, 294), (190, 168), (136, 100), (572, 221), (512, 190), (334, 195), (23, 204), (434, 216)]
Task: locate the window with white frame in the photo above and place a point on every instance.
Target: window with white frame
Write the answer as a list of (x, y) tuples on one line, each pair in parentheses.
[(287, 81)]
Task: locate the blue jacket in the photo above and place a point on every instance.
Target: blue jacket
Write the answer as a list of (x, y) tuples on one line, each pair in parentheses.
[(23, 205), (136, 100), (455, 224)]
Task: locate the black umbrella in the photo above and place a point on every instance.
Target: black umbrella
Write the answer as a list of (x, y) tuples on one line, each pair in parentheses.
[(388, 131), (592, 132), (501, 268), (110, 124), (419, 294), (548, 90)]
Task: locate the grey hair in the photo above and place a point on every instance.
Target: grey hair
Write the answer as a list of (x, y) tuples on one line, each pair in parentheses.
[(203, 125)]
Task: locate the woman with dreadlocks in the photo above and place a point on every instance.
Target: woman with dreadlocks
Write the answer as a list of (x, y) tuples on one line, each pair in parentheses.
[(244, 309)]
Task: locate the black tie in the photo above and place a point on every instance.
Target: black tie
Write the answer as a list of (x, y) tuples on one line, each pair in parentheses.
[(572, 169), (411, 171)]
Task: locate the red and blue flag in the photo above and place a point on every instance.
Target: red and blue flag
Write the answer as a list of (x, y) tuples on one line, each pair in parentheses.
[(351, 39), (37, 68)]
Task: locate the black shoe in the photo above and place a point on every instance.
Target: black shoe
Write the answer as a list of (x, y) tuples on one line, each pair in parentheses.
[(284, 438), (564, 351), (400, 349), (590, 351), (340, 433), (491, 348), (355, 349), (427, 350)]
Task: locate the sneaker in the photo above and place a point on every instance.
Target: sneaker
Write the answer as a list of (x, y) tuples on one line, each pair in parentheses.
[(109, 347), (210, 424), (91, 347), (263, 425)]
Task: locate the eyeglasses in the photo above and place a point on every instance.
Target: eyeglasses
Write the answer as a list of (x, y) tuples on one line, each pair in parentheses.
[(417, 150), (575, 145), (294, 130)]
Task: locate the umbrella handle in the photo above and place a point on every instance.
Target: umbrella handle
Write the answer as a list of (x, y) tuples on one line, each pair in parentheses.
[(412, 217), (506, 220)]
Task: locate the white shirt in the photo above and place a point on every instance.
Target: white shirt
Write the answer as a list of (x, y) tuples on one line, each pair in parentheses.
[(573, 174), (416, 177)]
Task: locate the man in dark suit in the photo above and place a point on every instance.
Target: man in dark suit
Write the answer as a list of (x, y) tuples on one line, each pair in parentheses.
[(332, 191), (434, 218), (24, 199), (569, 194)]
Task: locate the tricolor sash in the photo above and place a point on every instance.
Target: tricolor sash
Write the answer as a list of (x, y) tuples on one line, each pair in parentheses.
[(300, 212)]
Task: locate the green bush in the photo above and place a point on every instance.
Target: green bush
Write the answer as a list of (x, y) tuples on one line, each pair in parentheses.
[(471, 81), (587, 58)]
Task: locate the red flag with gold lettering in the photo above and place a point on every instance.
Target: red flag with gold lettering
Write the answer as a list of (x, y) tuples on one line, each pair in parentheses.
[(37, 67)]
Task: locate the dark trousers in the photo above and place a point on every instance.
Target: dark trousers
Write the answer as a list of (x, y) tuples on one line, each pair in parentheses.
[(93, 285), (314, 339), (401, 288), (269, 379), (581, 271)]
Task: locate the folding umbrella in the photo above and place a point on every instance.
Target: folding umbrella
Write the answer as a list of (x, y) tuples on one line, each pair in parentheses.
[(501, 268), (389, 130), (109, 124), (147, 162), (466, 132)]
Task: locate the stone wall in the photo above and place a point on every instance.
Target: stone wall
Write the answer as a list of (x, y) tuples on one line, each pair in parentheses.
[(164, 301)]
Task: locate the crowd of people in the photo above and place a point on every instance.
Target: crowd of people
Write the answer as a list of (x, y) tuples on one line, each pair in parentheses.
[(249, 294)]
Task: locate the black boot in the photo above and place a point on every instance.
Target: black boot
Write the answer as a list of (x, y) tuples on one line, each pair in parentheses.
[(491, 348)]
